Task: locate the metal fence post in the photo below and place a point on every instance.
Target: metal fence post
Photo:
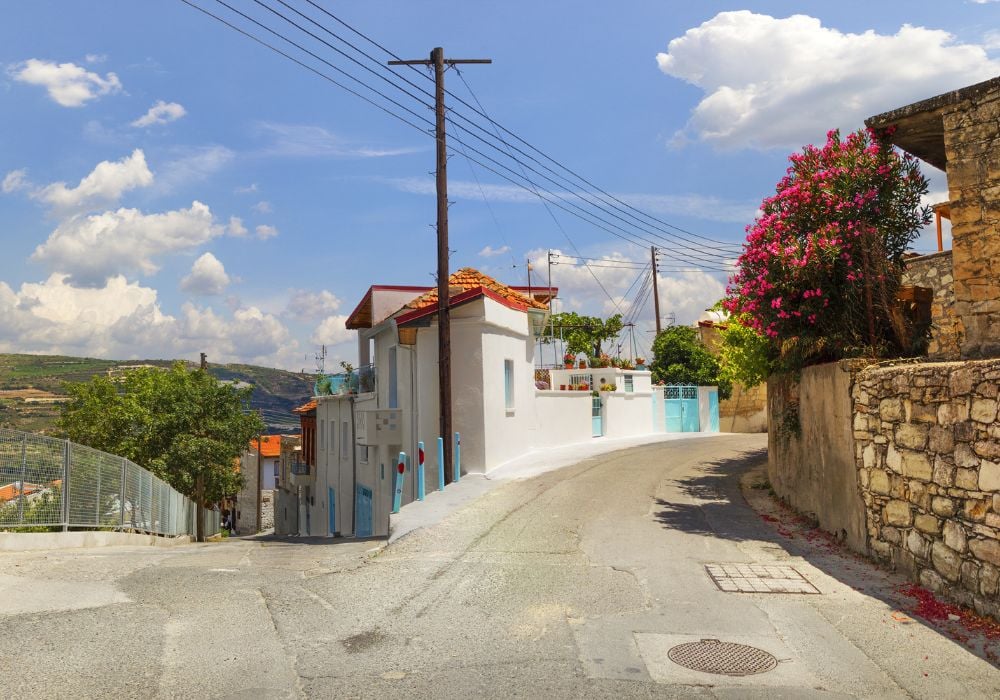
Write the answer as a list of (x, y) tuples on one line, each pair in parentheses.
[(121, 497), (67, 454), (24, 472)]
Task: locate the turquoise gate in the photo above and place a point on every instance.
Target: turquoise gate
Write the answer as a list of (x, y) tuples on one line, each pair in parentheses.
[(680, 409), (596, 417)]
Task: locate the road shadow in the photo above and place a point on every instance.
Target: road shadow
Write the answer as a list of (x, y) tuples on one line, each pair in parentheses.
[(270, 539), (711, 502)]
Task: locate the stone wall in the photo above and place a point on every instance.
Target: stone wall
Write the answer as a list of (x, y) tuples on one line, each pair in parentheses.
[(927, 448), (745, 411), (972, 146), (811, 449), (934, 271)]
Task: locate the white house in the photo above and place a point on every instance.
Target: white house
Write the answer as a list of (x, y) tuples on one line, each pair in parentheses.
[(391, 403)]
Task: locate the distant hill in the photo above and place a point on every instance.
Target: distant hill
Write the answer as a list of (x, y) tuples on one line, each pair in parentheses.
[(32, 388)]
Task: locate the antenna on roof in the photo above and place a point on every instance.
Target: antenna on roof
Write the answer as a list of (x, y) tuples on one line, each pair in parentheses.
[(321, 360)]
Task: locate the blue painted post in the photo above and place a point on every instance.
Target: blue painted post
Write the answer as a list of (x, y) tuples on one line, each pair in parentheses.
[(420, 471), (458, 457), (397, 493), (440, 464)]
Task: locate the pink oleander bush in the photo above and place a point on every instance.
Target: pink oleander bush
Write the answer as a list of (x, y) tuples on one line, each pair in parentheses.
[(821, 264)]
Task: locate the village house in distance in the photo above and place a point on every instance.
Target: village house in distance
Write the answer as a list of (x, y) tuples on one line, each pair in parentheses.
[(359, 423)]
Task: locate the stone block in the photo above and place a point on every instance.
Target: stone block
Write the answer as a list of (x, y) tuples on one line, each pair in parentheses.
[(954, 535), (893, 458), (860, 422), (992, 520), (989, 449), (989, 579), (878, 482), (967, 479), (912, 435), (970, 576), (940, 439), (922, 412), (944, 473), (945, 414), (927, 523), (930, 580), (945, 507), (988, 389), (881, 549), (983, 410), (918, 545), (986, 550), (890, 410), (917, 465), (898, 513), (989, 476), (975, 510), (965, 431), (959, 410), (961, 380), (891, 535), (965, 457), (868, 456), (947, 562)]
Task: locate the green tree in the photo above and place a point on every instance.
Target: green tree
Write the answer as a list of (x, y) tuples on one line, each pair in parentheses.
[(584, 334), (745, 356), (680, 358), (183, 425)]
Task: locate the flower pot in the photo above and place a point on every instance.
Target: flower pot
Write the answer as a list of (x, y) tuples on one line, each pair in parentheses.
[(562, 387), (582, 365), (569, 365)]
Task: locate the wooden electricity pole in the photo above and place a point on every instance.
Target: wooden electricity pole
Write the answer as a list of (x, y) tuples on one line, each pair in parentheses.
[(439, 62), (656, 291)]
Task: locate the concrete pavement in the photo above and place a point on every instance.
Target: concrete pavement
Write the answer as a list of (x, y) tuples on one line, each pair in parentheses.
[(573, 583)]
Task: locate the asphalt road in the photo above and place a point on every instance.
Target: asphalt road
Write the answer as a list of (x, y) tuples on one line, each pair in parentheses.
[(572, 584)]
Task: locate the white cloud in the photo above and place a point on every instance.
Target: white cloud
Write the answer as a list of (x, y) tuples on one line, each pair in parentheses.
[(67, 83), (781, 83), (262, 207), (302, 140), (94, 248), (991, 40), (161, 113), (208, 277), (95, 58), (193, 165), (15, 181), (236, 227), (490, 251), (312, 306), (332, 331), (104, 185), (123, 320), (252, 187), (264, 232)]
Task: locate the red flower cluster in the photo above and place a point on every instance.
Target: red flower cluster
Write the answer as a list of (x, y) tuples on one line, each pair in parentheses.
[(843, 211)]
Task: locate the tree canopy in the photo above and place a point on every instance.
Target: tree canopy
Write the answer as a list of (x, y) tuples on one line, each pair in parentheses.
[(585, 334), (680, 358), (183, 425), (821, 265)]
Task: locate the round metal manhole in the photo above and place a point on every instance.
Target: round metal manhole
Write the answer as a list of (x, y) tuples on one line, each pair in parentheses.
[(724, 658)]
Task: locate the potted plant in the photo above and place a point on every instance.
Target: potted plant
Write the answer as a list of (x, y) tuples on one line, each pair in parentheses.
[(582, 364), (568, 360), (640, 363), (584, 386), (562, 387)]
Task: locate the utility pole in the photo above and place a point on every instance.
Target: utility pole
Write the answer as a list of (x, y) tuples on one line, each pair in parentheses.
[(439, 62), (656, 291), (552, 322), (204, 361)]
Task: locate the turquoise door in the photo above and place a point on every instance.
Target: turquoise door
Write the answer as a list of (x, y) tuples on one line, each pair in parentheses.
[(672, 409), (689, 409), (596, 418), (363, 510), (713, 411), (333, 510)]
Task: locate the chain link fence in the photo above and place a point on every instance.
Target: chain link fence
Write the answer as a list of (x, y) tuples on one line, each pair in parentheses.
[(46, 482)]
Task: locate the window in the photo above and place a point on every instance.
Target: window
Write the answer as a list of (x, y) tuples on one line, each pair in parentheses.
[(322, 436), (628, 383), (333, 436), (345, 439), (508, 384), (363, 454)]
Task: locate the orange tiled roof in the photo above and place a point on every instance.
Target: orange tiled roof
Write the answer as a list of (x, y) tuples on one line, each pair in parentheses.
[(12, 491), (271, 445), (468, 278), (306, 407)]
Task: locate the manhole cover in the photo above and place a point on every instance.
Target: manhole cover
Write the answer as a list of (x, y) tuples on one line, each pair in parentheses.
[(724, 658)]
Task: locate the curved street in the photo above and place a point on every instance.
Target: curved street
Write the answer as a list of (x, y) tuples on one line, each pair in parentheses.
[(575, 583)]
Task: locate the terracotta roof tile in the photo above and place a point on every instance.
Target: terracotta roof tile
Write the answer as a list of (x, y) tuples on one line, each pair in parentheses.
[(306, 407), (468, 278), (271, 445)]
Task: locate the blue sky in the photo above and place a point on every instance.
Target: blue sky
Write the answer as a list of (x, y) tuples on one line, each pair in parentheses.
[(170, 187)]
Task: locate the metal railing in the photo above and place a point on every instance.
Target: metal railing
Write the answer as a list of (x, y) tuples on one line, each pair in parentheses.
[(46, 482)]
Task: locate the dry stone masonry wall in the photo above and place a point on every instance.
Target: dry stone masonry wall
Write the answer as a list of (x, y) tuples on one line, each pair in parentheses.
[(934, 272), (927, 448)]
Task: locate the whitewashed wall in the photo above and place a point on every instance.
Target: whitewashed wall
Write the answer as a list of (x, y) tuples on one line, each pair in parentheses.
[(628, 414)]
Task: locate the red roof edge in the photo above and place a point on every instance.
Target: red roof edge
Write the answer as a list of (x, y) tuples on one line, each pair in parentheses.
[(458, 299)]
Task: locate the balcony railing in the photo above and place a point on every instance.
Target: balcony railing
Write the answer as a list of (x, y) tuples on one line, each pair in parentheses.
[(300, 468), (359, 381)]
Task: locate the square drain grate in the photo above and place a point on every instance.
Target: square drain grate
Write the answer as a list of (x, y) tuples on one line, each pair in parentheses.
[(759, 578)]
